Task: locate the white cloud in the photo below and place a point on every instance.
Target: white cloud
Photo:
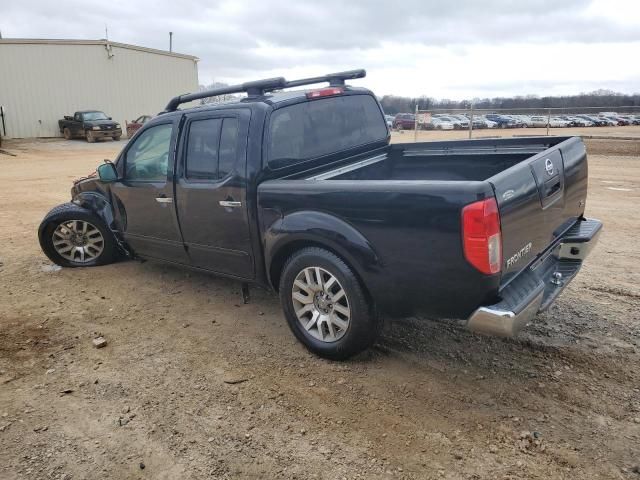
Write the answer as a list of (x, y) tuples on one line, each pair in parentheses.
[(457, 49)]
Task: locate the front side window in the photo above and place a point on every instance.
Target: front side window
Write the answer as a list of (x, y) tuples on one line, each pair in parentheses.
[(147, 160), (312, 129)]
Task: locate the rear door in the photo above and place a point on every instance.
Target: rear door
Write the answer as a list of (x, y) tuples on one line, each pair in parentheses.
[(538, 200), (211, 192)]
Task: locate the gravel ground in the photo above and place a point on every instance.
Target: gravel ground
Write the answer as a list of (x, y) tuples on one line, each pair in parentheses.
[(194, 384)]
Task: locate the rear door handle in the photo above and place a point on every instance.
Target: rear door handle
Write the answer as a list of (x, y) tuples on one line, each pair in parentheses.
[(228, 203), (164, 199)]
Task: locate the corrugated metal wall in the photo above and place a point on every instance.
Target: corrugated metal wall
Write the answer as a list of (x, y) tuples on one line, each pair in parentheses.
[(42, 82)]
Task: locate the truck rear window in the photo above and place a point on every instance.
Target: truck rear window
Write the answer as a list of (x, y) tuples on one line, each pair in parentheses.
[(313, 129)]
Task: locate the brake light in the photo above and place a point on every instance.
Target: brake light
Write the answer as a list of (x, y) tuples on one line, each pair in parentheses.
[(325, 92), (482, 237)]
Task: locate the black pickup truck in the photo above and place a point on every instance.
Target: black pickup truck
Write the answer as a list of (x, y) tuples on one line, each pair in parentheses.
[(301, 192), (91, 125)]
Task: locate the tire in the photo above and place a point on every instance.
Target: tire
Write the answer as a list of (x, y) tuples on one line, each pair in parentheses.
[(116, 138), (502, 125), (89, 136), (67, 133), (362, 324), (95, 246)]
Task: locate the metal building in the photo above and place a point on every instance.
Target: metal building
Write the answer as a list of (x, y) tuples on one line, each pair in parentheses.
[(43, 80)]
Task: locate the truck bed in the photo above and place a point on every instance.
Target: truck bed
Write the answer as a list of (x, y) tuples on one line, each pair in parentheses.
[(448, 161), (404, 201)]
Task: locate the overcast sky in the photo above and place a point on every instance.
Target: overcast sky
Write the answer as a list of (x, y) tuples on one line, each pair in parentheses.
[(445, 49)]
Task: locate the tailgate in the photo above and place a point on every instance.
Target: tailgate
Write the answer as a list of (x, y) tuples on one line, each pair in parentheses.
[(539, 199)]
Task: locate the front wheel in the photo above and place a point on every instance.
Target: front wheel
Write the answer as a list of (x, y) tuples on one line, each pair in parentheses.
[(325, 305), (67, 133), (116, 138), (89, 136), (72, 236)]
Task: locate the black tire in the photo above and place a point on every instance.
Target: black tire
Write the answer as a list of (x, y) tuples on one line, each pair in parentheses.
[(67, 133), (89, 136), (70, 211), (116, 138), (364, 325)]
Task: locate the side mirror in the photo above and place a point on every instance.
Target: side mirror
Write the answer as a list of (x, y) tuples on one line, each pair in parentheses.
[(107, 172)]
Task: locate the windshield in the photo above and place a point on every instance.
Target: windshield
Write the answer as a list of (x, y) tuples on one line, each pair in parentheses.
[(94, 116)]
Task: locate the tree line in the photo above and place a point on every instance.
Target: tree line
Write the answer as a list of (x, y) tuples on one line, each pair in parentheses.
[(393, 104)]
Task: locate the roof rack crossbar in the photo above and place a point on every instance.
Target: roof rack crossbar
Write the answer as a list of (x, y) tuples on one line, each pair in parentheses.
[(260, 87)]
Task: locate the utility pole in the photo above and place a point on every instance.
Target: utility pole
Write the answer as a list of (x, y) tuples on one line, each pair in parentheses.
[(171, 41)]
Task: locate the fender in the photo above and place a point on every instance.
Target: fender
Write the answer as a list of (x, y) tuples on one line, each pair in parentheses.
[(98, 204), (322, 229)]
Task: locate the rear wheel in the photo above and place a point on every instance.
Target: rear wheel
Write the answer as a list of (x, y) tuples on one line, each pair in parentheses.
[(72, 236), (325, 305), (67, 133)]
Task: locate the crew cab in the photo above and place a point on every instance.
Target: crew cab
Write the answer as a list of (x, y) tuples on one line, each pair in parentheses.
[(300, 192), (89, 124)]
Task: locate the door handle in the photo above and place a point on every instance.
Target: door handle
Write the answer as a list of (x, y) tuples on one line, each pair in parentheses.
[(164, 199), (229, 203)]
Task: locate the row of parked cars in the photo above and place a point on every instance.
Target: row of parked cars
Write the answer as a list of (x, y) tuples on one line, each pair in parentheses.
[(407, 121)]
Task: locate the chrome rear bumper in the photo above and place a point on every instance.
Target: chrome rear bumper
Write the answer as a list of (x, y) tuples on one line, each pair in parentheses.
[(539, 285)]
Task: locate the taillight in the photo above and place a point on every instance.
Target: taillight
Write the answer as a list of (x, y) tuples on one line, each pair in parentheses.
[(481, 235), (325, 92)]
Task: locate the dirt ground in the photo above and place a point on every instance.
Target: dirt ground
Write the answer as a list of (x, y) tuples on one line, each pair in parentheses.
[(195, 384)]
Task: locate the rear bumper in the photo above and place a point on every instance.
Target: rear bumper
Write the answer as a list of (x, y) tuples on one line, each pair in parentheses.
[(539, 285)]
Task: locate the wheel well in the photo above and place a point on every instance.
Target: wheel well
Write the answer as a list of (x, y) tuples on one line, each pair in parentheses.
[(275, 270)]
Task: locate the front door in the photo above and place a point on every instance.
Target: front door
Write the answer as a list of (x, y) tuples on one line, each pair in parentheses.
[(211, 192), (143, 199)]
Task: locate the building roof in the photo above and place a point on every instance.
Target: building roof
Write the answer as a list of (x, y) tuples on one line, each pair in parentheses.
[(55, 41)]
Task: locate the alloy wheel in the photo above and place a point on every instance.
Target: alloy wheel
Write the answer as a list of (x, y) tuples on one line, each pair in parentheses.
[(78, 241), (321, 304)]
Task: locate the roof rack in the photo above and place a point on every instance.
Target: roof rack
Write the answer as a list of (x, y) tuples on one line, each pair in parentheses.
[(260, 87)]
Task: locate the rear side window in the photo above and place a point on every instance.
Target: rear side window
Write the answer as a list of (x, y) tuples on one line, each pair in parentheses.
[(212, 148), (202, 149), (312, 129), (228, 146)]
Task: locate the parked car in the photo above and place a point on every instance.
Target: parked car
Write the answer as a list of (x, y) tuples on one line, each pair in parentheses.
[(609, 122), (633, 119), (557, 122), (576, 121), (437, 123), (457, 123), (502, 121), (480, 123), (89, 124), (525, 119), (489, 123), (389, 120), (539, 121), (621, 120), (596, 121), (133, 127), (302, 193), (404, 121)]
